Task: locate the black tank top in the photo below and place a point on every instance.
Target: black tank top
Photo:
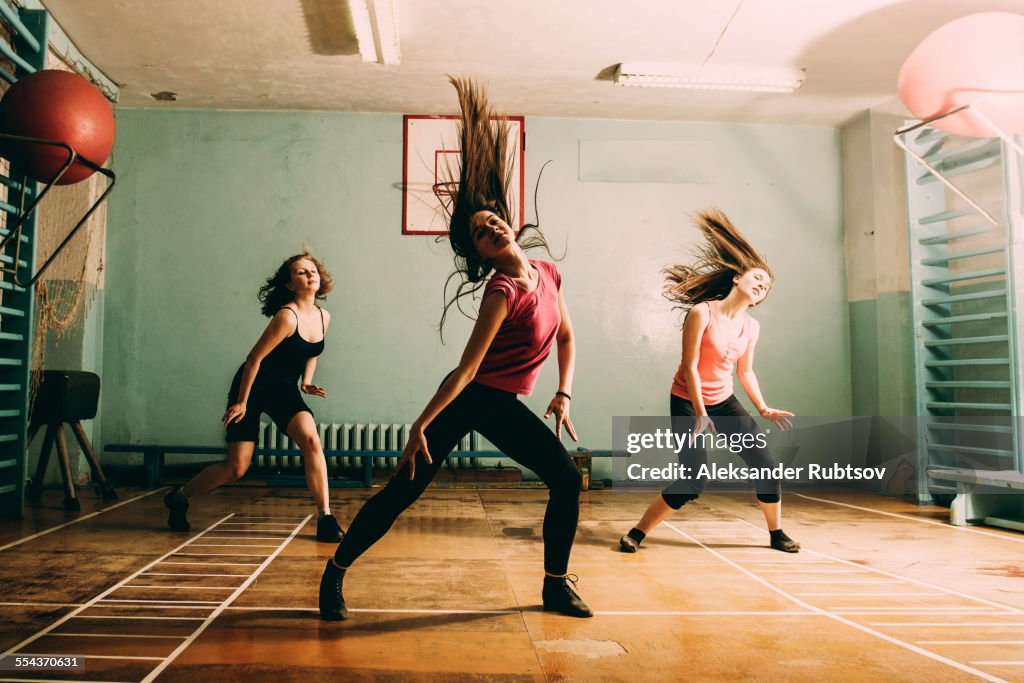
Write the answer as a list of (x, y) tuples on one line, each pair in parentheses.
[(287, 360)]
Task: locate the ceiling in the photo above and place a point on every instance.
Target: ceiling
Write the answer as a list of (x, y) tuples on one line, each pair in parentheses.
[(538, 57)]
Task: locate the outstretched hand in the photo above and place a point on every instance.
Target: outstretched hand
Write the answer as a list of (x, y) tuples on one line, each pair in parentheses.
[(314, 390), (777, 417), (560, 407), (417, 443)]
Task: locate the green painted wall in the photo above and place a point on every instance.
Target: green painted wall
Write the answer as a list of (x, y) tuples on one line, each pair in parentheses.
[(209, 203), (877, 267)]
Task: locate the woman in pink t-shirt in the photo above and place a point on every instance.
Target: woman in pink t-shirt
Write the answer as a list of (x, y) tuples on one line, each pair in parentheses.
[(718, 334), (522, 317)]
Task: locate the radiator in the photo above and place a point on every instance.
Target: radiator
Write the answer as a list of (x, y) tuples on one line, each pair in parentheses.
[(356, 437)]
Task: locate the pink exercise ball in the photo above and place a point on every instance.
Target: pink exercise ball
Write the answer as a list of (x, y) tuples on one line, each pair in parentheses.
[(60, 106), (976, 60)]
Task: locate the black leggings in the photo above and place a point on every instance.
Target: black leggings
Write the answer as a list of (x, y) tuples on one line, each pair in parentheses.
[(501, 418), (737, 421)]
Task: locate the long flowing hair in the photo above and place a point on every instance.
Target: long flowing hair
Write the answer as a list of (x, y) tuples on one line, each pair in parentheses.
[(484, 183), (724, 254), (275, 293)]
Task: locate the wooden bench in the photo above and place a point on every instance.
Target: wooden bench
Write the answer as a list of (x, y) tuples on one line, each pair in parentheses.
[(992, 497), (154, 457)]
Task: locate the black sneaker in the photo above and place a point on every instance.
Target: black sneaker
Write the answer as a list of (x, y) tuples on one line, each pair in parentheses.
[(332, 603), (559, 596), (628, 544), (785, 544), (177, 520), (328, 530)]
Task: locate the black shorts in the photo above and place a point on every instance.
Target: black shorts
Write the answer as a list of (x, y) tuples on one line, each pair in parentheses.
[(278, 398)]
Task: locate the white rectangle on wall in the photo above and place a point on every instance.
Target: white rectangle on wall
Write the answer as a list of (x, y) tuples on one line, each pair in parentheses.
[(648, 161)]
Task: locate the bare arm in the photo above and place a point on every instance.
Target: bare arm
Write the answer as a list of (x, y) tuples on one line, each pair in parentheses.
[(280, 326), (307, 380), (566, 370), (492, 313), (745, 371)]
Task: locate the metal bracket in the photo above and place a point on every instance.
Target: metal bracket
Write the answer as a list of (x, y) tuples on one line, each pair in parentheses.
[(15, 230)]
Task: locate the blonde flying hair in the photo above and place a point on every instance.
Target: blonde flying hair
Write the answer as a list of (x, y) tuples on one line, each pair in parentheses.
[(724, 254)]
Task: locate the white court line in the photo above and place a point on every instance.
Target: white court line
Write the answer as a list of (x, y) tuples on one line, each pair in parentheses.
[(839, 618), (971, 642), (231, 598), (875, 570), (221, 555), (170, 574), (40, 654), (284, 534), (116, 616), (231, 545), (184, 588), (946, 624), (788, 561), (216, 564), (77, 613), (871, 595), (40, 604), (944, 525), (911, 612), (280, 524), (156, 606), (483, 611), (861, 582), (947, 609), (245, 538), (998, 663), (77, 520), (197, 603), (111, 635), (58, 680), (814, 571)]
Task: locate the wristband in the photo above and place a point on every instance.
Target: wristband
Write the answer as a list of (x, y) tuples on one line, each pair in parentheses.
[(562, 393)]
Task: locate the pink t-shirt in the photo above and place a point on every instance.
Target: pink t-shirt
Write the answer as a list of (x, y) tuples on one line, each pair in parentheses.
[(527, 334), (719, 352)]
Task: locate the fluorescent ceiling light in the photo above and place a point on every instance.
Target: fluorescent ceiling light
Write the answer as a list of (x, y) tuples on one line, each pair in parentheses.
[(709, 77), (376, 27)]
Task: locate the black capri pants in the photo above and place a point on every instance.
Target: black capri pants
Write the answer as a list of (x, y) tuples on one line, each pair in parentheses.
[(507, 423), (736, 420)]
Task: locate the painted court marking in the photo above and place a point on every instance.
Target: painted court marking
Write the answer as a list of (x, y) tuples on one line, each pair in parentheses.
[(100, 600), (231, 598), (76, 520), (944, 525), (918, 582), (837, 617)]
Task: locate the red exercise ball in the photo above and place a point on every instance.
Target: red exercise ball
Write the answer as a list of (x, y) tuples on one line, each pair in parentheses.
[(60, 106)]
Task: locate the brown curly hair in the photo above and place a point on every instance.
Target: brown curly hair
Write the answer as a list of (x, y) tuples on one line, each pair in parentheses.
[(275, 293)]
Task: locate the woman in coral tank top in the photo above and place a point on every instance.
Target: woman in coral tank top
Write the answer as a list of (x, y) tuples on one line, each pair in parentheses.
[(719, 335)]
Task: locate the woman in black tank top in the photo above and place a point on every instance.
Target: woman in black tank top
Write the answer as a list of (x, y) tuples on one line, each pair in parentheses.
[(269, 382)]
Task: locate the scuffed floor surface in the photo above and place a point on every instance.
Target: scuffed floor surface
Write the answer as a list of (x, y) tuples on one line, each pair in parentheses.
[(883, 590)]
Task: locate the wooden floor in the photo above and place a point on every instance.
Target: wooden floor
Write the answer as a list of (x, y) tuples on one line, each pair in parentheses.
[(882, 591)]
